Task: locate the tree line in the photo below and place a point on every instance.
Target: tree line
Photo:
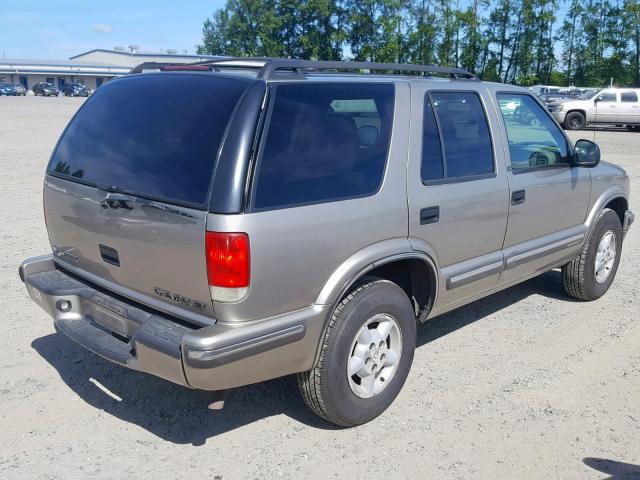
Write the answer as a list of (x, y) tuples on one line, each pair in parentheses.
[(513, 41)]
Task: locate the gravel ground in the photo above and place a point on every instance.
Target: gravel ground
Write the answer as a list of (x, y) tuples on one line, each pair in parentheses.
[(523, 384)]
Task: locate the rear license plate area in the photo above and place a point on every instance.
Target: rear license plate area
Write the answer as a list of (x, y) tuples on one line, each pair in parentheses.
[(109, 320)]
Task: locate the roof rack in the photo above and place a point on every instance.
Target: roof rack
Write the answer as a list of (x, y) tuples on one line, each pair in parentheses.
[(270, 68), (160, 66)]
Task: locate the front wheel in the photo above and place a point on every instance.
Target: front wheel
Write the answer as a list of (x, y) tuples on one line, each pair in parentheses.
[(365, 355), (574, 121), (590, 275)]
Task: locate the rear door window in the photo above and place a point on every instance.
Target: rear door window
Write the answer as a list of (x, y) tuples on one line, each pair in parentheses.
[(323, 142), (629, 97), (151, 135), (456, 140)]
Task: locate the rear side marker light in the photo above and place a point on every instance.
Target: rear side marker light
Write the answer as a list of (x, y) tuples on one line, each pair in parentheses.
[(228, 265)]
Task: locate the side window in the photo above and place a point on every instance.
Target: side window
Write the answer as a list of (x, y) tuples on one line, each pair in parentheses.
[(323, 143), (534, 138), (607, 97), (456, 141), (432, 161), (629, 97)]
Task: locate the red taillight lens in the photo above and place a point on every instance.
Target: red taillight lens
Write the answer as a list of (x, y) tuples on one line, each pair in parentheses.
[(228, 259)]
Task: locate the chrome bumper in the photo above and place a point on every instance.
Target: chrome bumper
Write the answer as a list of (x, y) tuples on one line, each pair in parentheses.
[(215, 357)]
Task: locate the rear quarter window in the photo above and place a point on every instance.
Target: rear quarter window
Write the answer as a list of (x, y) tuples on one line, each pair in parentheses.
[(151, 135), (323, 142)]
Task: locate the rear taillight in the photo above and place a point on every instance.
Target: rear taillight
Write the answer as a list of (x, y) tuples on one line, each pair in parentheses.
[(228, 265)]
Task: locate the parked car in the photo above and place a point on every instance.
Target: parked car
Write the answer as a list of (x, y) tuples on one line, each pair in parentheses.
[(13, 89), (541, 89), (75, 90), (610, 106), (554, 98), (45, 89), (233, 225)]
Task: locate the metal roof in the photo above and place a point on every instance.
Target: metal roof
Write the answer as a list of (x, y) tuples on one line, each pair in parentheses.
[(144, 54), (52, 63)]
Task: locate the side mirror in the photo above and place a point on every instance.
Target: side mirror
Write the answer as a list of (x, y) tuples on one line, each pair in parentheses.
[(586, 154)]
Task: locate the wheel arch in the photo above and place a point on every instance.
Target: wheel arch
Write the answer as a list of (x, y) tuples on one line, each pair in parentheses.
[(614, 198), (619, 205), (379, 258), (413, 271), (577, 110)]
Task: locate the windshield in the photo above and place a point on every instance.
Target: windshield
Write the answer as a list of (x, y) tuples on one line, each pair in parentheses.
[(152, 135), (588, 95)]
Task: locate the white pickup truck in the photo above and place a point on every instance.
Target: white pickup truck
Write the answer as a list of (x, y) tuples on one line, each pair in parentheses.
[(611, 106)]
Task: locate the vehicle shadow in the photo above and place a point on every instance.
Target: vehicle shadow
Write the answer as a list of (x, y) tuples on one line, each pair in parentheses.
[(172, 412), (548, 285), (617, 470), (180, 415)]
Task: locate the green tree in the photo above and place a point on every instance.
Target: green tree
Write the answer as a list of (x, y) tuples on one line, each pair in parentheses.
[(421, 40), (632, 20), (215, 35)]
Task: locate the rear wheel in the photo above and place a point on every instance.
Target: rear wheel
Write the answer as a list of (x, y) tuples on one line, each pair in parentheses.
[(365, 355), (590, 275), (574, 121)]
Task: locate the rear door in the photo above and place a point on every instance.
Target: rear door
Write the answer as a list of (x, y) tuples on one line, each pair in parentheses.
[(127, 187), (457, 189), (629, 107)]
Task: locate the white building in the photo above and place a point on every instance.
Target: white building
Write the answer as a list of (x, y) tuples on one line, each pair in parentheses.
[(92, 68)]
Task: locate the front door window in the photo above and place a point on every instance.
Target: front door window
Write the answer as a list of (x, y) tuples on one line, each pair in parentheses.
[(535, 140)]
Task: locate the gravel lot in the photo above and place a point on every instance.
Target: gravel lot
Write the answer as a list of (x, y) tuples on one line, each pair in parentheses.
[(524, 384)]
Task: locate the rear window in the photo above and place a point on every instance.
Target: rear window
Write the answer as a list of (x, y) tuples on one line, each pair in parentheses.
[(324, 142), (154, 135)]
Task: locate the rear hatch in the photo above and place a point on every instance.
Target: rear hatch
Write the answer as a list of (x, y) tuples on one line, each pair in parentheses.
[(127, 187)]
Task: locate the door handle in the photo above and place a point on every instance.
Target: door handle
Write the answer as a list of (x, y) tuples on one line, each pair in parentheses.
[(429, 215), (518, 197)]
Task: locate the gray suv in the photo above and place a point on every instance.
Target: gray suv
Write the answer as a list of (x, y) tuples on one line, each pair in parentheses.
[(224, 223)]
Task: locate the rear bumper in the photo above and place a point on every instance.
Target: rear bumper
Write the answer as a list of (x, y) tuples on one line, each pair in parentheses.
[(211, 358)]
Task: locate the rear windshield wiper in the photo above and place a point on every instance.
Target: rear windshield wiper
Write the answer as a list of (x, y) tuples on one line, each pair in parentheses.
[(117, 200)]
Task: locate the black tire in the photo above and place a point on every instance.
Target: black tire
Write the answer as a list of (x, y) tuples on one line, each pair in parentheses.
[(578, 276), (574, 121), (326, 388)]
